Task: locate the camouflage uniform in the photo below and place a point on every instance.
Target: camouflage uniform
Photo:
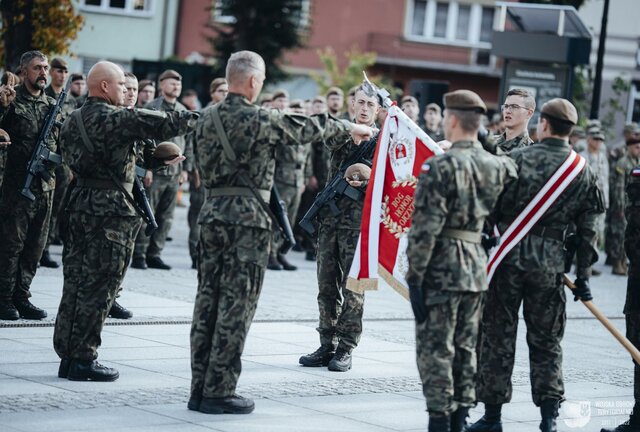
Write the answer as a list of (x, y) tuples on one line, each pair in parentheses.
[(532, 273), (632, 247), (598, 162), (235, 232), (102, 223), (3, 162), (614, 232), (617, 221), (196, 201), (456, 191), (435, 135), (340, 323), (505, 146), (23, 224), (163, 191), (63, 173)]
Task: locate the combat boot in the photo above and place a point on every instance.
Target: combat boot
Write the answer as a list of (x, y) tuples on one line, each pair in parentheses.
[(320, 357), (459, 419), (631, 425), (119, 312), (157, 263), (90, 370), (490, 421), (235, 404), (273, 263), (620, 267), (310, 256), (286, 264), (27, 310), (440, 423), (139, 263), (549, 412), (63, 369), (47, 261), (341, 361), (8, 311)]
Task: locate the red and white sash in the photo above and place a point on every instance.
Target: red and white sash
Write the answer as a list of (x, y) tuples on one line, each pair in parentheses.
[(538, 206)]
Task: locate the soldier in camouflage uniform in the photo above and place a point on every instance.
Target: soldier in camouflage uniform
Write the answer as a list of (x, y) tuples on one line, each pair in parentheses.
[(340, 322), (102, 222), (235, 230), (617, 221), (166, 181), (531, 273), (447, 263), (432, 122), (632, 304), (517, 110), (59, 73), (25, 223)]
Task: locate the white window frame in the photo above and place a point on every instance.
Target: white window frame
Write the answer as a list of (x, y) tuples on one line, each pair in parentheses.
[(128, 9), (228, 19), (475, 22)]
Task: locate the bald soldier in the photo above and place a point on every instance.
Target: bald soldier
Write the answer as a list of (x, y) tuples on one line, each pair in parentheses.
[(531, 273), (98, 143), (447, 263), (236, 143)]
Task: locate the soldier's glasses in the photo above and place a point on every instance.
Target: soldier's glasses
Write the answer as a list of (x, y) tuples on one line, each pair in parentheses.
[(511, 107)]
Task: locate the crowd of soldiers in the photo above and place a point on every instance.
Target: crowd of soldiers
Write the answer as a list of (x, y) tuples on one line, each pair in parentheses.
[(234, 150)]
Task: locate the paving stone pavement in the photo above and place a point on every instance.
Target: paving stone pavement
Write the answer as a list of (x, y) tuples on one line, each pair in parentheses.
[(381, 393)]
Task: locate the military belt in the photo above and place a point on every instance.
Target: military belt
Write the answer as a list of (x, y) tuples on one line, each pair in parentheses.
[(237, 191), (542, 231), (102, 184), (468, 236)]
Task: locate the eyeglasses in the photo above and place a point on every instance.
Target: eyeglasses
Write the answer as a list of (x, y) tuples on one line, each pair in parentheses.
[(512, 107)]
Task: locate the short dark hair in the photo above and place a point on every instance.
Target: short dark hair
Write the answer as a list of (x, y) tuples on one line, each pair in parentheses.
[(26, 58), (76, 77), (557, 126), (469, 120), (529, 100), (190, 92), (217, 82)]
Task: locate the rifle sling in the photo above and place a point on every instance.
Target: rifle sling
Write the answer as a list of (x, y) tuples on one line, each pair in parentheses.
[(77, 114), (228, 150)]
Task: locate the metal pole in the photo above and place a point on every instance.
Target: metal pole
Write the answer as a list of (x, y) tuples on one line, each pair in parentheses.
[(597, 84)]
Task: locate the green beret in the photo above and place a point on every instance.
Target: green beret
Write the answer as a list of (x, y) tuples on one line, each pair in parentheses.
[(561, 109), (464, 100)]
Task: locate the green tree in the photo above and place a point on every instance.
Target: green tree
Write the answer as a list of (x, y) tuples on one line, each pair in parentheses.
[(45, 25), (266, 27), (351, 75)]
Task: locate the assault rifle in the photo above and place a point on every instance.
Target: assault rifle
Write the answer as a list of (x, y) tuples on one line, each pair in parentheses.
[(141, 200), (42, 157), (279, 210)]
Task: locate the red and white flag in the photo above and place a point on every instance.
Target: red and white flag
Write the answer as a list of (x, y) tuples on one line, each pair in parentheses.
[(400, 154)]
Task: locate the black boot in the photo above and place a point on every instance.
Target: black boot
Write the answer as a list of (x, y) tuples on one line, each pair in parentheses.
[(46, 261), (490, 421), (63, 370), (231, 405), (119, 312), (310, 256), (28, 311), (459, 419), (273, 263), (286, 264), (320, 357), (157, 263), (341, 361), (90, 370), (139, 263), (440, 423), (631, 425), (8, 311), (549, 412)]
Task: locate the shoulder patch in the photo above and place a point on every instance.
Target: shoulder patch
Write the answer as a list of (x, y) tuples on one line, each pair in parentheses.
[(425, 168), (635, 172), (149, 112)]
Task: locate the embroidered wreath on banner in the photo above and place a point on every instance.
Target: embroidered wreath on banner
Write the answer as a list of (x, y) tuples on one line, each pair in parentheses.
[(392, 226), (407, 181)]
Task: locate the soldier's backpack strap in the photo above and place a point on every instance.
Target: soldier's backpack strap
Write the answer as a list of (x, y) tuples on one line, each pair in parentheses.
[(77, 116)]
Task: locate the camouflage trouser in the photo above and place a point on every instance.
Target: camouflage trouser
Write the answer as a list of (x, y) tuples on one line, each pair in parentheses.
[(291, 197), (633, 334), (196, 201), (544, 301), (63, 178), (614, 240), (340, 309), (162, 198), (308, 241), (446, 349), (231, 268), (23, 234), (96, 254)]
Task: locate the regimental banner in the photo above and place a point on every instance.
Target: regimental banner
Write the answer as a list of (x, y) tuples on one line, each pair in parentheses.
[(386, 218)]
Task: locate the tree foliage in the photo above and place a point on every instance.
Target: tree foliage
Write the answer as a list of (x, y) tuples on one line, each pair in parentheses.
[(266, 27), (351, 75), (45, 25)]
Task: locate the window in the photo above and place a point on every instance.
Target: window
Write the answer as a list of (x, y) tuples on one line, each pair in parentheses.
[(119, 7), (452, 22), (303, 17)]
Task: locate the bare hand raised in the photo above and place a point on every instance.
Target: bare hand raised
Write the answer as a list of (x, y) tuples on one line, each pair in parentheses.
[(7, 91), (361, 133)]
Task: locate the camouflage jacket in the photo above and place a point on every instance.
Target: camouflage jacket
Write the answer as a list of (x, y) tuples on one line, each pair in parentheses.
[(505, 146), (291, 161), (320, 162), (69, 105), (23, 119), (632, 241), (350, 216), (113, 132), (580, 203), (598, 162), (185, 142), (456, 190), (620, 178), (255, 134), (436, 135)]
